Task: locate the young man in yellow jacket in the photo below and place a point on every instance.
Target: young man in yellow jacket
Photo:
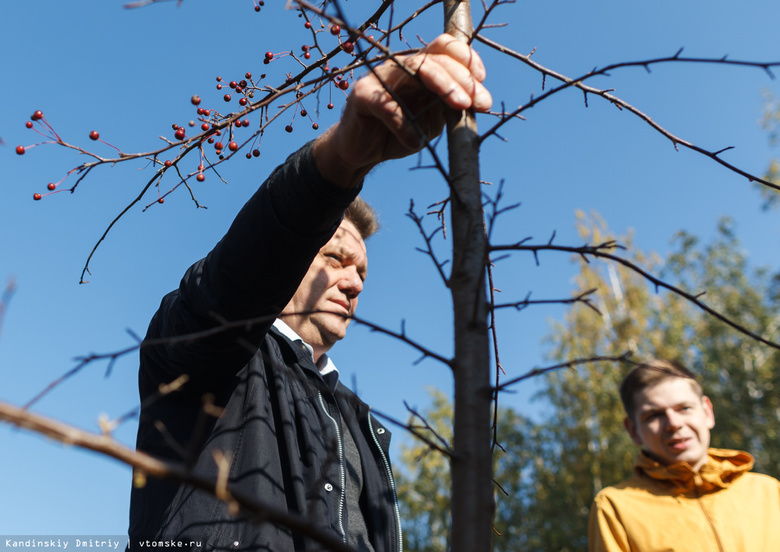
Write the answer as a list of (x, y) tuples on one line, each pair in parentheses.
[(684, 496)]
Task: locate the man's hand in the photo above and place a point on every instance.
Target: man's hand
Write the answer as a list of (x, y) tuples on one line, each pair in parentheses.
[(445, 74)]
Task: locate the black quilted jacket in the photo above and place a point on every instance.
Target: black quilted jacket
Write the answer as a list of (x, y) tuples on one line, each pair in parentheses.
[(279, 424)]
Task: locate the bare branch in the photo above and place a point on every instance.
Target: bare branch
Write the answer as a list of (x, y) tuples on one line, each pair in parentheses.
[(147, 466), (601, 252), (620, 104), (569, 364), (583, 298), (5, 299), (428, 243)]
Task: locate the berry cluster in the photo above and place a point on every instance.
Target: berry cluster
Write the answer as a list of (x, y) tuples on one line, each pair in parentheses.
[(219, 130)]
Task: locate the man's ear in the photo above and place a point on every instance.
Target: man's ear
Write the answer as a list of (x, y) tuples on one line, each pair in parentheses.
[(709, 412), (628, 423)]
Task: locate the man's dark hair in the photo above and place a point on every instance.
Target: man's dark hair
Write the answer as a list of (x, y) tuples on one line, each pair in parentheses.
[(363, 216), (650, 373)]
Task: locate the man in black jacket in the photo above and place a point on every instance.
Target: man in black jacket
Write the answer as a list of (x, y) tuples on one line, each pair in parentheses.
[(288, 434)]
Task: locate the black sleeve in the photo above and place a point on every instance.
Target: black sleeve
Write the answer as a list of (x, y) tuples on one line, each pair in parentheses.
[(251, 274)]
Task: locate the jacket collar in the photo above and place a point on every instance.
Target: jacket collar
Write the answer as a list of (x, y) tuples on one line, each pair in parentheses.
[(326, 369), (723, 467)]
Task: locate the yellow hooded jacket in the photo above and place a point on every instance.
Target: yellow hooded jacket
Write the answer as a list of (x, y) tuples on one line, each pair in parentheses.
[(723, 508)]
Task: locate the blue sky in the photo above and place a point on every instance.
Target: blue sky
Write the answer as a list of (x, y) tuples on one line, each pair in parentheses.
[(91, 65)]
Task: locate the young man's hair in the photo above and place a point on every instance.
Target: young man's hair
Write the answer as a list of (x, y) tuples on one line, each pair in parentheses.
[(363, 216), (650, 373)]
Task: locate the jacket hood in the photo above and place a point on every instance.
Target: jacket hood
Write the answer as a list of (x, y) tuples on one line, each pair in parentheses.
[(723, 467)]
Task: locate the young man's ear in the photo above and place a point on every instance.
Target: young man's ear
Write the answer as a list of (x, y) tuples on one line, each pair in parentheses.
[(709, 412), (628, 423)]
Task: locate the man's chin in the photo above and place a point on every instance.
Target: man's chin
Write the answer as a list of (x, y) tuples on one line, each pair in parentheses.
[(333, 328)]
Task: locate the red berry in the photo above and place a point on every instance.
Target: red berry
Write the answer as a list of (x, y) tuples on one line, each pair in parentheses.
[(204, 127), (248, 75), (94, 135), (248, 155), (307, 25), (20, 150), (201, 167), (191, 123), (168, 163), (232, 146), (335, 29), (343, 85), (330, 106), (303, 112), (201, 177), (195, 100), (242, 101), (218, 146), (226, 97), (201, 111), (348, 47), (28, 124), (51, 186), (219, 87), (211, 140), (174, 126), (257, 8), (37, 115), (179, 134), (219, 79), (233, 84), (288, 128), (269, 55), (36, 197), (245, 122), (307, 55), (161, 200), (305, 47), (256, 152), (315, 126), (207, 112), (260, 2)]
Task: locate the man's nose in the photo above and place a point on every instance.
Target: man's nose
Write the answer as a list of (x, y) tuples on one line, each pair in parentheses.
[(351, 284)]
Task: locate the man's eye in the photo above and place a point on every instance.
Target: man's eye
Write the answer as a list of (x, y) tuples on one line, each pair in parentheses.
[(333, 256)]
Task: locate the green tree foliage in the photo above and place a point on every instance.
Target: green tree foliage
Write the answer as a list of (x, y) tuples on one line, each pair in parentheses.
[(741, 377), (552, 470)]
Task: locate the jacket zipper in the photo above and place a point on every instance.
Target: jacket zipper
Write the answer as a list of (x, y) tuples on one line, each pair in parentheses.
[(391, 480), (696, 483), (343, 497)]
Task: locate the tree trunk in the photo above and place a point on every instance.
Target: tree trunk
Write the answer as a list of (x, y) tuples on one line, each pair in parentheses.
[(472, 496)]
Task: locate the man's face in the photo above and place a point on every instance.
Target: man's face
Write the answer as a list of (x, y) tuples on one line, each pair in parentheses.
[(672, 422), (329, 291)]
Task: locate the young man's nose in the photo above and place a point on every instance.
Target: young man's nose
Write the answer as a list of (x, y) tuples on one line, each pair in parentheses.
[(673, 421)]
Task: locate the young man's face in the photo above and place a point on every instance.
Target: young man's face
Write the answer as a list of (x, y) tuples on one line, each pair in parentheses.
[(331, 285), (672, 422)]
